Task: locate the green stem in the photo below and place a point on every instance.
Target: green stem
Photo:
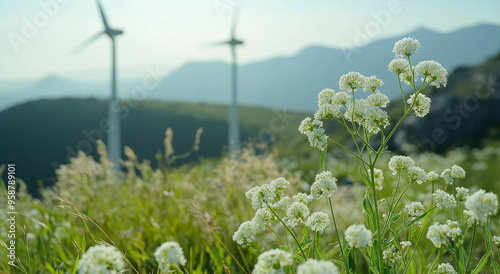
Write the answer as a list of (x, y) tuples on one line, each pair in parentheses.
[(471, 245), (289, 230), (346, 262)]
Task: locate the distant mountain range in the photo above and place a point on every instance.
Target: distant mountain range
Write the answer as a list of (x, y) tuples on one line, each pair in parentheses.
[(291, 82)]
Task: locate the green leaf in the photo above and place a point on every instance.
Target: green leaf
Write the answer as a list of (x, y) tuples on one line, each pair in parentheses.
[(495, 266), (351, 258), (365, 178), (481, 264)]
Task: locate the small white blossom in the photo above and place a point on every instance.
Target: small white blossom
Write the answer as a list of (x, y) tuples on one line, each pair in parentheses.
[(399, 163), (406, 47), (351, 81), (246, 233), (482, 204), (101, 259), (325, 97), (374, 119), (303, 198), (422, 106), (444, 199), (438, 234), (355, 112), (318, 221), (324, 184), (415, 210), (307, 126), (317, 138), (432, 176), (341, 98), (399, 66), (358, 236), (496, 241), (272, 262), (446, 175), (417, 175), (377, 99), (445, 268), (378, 175), (455, 230), (434, 73), (327, 111), (296, 212), (405, 245), (468, 216), (263, 218), (317, 267), (409, 77), (391, 255), (372, 83), (457, 172), (462, 193), (168, 254)]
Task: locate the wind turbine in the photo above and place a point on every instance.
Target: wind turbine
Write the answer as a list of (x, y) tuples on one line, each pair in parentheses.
[(234, 123), (114, 130)]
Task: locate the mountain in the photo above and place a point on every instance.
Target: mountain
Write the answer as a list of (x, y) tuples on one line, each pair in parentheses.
[(463, 113), (38, 136), (292, 82)]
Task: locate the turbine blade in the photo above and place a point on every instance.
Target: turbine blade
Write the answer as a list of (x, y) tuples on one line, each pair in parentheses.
[(86, 43), (215, 44), (234, 24), (103, 16)]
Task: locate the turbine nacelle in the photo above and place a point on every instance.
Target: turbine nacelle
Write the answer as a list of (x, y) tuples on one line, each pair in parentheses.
[(235, 42), (113, 32)]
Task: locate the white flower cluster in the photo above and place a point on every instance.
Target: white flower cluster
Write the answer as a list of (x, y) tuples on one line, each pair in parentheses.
[(351, 81), (101, 259), (406, 47), (415, 210), (296, 213), (168, 254), (417, 175), (445, 268), (317, 267), (269, 194), (318, 221), (272, 262), (314, 131), (421, 105), (444, 199), (450, 175), (378, 175), (433, 72), (405, 245), (324, 184), (399, 163), (391, 255), (462, 193), (482, 205), (440, 234), (358, 236), (496, 241)]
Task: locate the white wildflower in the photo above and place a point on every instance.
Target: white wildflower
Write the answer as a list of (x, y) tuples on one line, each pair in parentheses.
[(468, 216), (378, 175), (417, 175), (438, 234), (399, 163), (455, 230), (482, 204), (303, 198), (317, 267), (444, 199), (246, 233), (432, 176), (446, 175), (372, 83), (355, 112), (445, 268), (341, 98), (307, 126), (434, 73), (358, 236), (296, 212), (325, 97), (318, 221), (457, 172), (168, 254), (272, 262), (327, 111), (317, 138), (409, 77), (374, 119), (415, 210), (263, 218), (406, 47), (351, 81), (324, 184), (391, 255), (377, 99), (399, 66), (405, 245), (462, 193), (422, 106), (101, 259)]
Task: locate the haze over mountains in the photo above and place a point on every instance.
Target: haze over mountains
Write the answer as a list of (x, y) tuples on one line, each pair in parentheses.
[(283, 82)]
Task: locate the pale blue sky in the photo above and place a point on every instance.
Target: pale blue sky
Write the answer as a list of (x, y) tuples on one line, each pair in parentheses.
[(170, 33)]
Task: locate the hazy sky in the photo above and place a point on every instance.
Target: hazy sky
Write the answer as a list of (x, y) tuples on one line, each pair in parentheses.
[(37, 36)]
